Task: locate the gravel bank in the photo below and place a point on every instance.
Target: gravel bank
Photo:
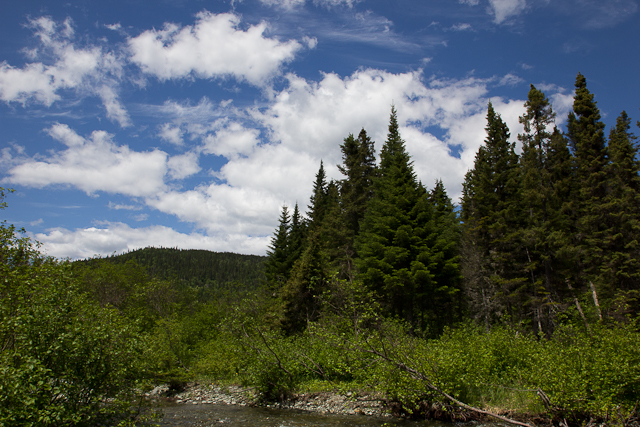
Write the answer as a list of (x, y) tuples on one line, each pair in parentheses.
[(325, 403)]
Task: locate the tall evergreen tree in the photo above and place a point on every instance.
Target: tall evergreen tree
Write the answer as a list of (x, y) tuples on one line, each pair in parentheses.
[(491, 216), (318, 201), (586, 134), (620, 270), (277, 266), (391, 258), (359, 168), (537, 191), (301, 291), (297, 237), (443, 241)]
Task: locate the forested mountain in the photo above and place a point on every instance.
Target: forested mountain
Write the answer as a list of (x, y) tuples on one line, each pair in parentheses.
[(198, 268)]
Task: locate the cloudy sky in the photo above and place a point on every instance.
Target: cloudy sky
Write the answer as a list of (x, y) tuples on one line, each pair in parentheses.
[(189, 124)]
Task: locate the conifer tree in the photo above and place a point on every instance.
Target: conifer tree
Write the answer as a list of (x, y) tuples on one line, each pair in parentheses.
[(318, 200), (620, 270), (491, 216), (359, 168), (300, 293), (586, 134), (391, 261), (537, 190), (443, 242), (297, 237), (277, 266)]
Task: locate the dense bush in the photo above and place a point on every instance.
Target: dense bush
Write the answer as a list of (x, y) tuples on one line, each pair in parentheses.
[(64, 360)]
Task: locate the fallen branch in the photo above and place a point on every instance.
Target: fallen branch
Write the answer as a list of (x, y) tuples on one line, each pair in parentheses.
[(420, 376)]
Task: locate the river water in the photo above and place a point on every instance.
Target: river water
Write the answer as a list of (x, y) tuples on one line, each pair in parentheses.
[(236, 416)]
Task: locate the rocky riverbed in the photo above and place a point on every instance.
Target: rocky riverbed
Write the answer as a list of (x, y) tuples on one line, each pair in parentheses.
[(324, 402)]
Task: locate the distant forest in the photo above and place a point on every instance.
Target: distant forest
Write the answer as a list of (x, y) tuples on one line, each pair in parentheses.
[(200, 269)]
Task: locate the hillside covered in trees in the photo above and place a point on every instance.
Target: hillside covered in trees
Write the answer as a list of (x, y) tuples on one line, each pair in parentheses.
[(522, 303), (205, 270)]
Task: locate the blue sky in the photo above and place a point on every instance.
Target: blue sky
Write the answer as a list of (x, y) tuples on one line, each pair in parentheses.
[(189, 124)]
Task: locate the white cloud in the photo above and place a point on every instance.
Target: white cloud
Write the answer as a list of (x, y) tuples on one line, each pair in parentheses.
[(222, 209), (333, 3), (88, 71), (94, 164), (504, 9), (469, 2), (115, 110), (232, 141), (510, 80), (309, 120), (284, 4), (171, 133), (118, 237), (117, 207), (183, 165), (215, 46), (461, 27)]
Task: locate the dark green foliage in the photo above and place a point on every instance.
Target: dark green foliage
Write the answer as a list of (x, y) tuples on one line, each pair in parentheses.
[(399, 246), (586, 133), (209, 272), (359, 168), (444, 246), (307, 282), (278, 263), (318, 201), (297, 236), (491, 215), (620, 270)]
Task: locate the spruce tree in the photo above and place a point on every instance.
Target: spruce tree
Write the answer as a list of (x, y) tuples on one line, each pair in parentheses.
[(318, 200), (297, 237), (301, 291), (390, 261), (586, 134), (277, 266), (620, 270), (443, 241), (537, 190), (359, 168), (491, 215)]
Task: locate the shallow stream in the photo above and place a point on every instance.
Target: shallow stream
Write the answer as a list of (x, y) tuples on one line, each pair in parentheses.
[(235, 416)]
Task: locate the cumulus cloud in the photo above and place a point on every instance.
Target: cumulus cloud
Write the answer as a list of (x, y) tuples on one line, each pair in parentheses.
[(214, 47), (232, 141), (310, 120), (171, 133), (88, 71), (94, 164), (116, 237), (183, 165)]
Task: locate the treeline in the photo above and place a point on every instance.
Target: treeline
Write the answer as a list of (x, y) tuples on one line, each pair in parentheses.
[(554, 231), (208, 272), (378, 225), (541, 236)]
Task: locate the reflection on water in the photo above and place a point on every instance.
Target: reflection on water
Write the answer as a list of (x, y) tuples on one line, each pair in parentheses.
[(232, 416)]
